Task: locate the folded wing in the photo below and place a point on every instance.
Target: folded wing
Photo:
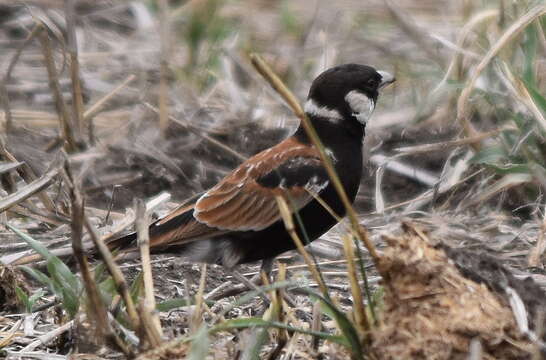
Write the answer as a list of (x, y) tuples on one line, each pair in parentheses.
[(245, 199)]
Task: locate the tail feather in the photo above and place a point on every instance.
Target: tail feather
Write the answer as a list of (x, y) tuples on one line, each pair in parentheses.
[(123, 243), (163, 233), (181, 233)]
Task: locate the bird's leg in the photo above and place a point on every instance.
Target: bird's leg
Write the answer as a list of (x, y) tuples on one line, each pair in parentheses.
[(249, 284), (256, 280), (267, 266)]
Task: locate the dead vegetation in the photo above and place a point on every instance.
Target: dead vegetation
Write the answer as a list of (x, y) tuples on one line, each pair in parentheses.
[(104, 102), (433, 310)]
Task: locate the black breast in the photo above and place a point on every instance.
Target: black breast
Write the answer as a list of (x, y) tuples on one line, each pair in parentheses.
[(316, 220)]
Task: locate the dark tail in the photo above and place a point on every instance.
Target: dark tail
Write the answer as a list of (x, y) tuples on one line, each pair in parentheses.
[(158, 229), (123, 243)]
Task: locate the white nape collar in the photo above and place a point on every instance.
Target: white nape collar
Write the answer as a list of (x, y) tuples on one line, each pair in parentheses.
[(312, 108)]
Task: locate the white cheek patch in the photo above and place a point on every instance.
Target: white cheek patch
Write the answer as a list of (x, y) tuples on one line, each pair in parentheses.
[(312, 108), (361, 105)]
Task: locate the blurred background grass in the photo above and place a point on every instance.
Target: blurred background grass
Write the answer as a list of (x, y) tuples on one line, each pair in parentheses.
[(212, 86), (472, 169)]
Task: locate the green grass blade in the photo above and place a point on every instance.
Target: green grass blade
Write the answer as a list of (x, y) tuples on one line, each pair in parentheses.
[(38, 276), (71, 301), (490, 155), (538, 99), (137, 287), (65, 277), (530, 52), (34, 297), (511, 169), (364, 275), (174, 303), (258, 322), (23, 298), (344, 324), (251, 294), (35, 245), (67, 285), (200, 345)]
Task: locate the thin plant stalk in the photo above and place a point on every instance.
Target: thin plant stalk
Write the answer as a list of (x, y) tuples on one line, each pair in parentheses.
[(99, 104), (358, 301), (72, 48), (7, 76), (117, 275), (195, 130), (199, 300), (286, 215), (96, 305), (164, 65), (64, 119), (150, 318)]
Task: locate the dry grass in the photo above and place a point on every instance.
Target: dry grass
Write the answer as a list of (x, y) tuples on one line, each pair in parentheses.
[(147, 97)]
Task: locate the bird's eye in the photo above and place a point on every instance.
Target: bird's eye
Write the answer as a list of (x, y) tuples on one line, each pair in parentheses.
[(372, 82)]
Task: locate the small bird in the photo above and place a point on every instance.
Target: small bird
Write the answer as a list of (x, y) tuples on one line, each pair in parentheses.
[(238, 221)]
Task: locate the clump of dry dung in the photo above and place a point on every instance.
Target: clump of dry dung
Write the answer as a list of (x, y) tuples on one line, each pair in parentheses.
[(431, 311)]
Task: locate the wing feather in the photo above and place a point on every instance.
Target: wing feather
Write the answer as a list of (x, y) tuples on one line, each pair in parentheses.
[(218, 198), (245, 200)]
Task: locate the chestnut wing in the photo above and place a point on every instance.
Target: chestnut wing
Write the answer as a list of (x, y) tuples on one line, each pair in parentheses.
[(245, 200)]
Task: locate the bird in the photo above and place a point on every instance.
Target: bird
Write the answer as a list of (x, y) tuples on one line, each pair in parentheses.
[(238, 221)]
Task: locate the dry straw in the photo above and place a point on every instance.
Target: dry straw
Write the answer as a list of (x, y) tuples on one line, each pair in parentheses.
[(463, 112)]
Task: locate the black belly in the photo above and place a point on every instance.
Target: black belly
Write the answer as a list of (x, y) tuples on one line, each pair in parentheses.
[(275, 240), (247, 246)]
